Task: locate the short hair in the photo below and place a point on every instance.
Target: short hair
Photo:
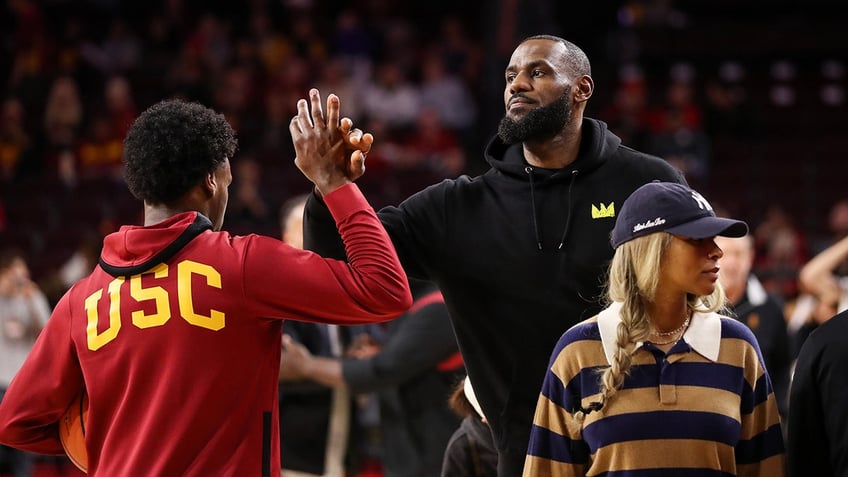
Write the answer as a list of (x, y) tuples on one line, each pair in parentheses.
[(170, 148), (575, 58)]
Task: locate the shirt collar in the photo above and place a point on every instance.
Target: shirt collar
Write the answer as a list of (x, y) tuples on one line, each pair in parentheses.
[(703, 334)]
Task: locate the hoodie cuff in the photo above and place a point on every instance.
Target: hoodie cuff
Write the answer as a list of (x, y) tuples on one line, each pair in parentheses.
[(346, 201)]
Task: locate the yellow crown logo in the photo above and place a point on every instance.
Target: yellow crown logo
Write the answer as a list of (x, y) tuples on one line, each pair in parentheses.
[(603, 211)]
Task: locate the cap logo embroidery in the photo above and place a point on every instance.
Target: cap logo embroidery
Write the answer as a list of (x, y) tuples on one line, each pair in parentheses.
[(603, 211), (649, 224), (702, 202)]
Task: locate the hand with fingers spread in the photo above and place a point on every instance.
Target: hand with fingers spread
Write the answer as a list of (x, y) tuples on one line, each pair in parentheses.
[(330, 152)]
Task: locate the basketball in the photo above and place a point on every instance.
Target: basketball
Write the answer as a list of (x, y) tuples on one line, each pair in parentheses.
[(72, 431)]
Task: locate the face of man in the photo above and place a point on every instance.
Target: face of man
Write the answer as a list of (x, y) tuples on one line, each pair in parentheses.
[(736, 263), (538, 92)]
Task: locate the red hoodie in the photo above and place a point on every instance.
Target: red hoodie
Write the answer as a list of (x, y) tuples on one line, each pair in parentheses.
[(176, 338)]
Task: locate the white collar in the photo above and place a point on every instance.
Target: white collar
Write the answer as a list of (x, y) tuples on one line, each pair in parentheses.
[(757, 294), (703, 334)]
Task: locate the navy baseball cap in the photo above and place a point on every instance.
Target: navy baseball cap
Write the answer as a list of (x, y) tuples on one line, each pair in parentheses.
[(673, 208)]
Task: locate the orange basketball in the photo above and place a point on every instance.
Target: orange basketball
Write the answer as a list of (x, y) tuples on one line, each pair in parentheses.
[(72, 431)]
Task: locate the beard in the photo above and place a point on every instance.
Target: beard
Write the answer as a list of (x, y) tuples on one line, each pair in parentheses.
[(539, 124)]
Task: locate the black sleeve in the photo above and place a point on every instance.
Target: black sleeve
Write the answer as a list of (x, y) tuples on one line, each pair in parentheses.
[(818, 416), (778, 360), (421, 341), (457, 460), (417, 228), (320, 233)]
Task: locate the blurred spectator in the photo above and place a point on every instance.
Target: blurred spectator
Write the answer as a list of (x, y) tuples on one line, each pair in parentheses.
[(79, 265), (627, 115), (29, 43), (759, 310), (63, 114), (433, 148), (685, 148), (350, 40), (248, 209), (120, 105), (412, 370), (234, 97), (819, 276), (728, 112), (680, 101), (210, 43), (119, 53), (471, 451), (15, 143), (447, 94), (273, 139), (187, 78), (307, 42), (335, 77), (273, 49), (392, 97), (101, 149), (315, 421), (837, 228), (23, 313), (781, 251), (461, 54)]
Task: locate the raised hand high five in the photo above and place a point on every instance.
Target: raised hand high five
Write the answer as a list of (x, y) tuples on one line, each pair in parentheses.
[(330, 152)]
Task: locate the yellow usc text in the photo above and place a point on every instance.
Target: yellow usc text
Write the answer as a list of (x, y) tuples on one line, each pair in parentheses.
[(159, 295)]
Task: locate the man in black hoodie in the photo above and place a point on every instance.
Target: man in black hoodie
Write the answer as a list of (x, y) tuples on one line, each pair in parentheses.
[(520, 251)]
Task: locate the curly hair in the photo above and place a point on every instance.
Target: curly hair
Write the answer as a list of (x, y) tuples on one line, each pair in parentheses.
[(172, 146)]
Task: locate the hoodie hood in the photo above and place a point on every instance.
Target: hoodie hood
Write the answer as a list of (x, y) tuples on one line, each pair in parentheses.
[(596, 146), (135, 249)]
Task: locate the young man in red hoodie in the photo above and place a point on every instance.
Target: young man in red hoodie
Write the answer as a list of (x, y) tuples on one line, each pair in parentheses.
[(175, 335)]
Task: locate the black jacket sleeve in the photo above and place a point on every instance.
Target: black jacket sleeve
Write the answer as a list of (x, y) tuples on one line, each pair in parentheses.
[(420, 342), (319, 230), (818, 416)]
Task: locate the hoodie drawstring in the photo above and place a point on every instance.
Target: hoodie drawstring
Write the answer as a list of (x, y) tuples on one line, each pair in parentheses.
[(568, 220), (529, 171)]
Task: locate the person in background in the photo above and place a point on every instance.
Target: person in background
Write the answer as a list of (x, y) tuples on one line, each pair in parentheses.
[(315, 421), (412, 369), (519, 251), (175, 335), (819, 276), (759, 310), (817, 441), (824, 291), (471, 451), (659, 383), (24, 311)]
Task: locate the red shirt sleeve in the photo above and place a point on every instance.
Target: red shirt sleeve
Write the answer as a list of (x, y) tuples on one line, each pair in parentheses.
[(371, 286)]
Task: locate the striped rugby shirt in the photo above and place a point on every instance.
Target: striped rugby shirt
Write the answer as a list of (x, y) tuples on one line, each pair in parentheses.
[(707, 408)]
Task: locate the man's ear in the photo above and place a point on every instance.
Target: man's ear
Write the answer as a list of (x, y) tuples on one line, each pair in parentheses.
[(210, 185), (583, 89)]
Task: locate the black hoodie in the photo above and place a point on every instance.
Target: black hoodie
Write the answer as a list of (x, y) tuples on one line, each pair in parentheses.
[(520, 254)]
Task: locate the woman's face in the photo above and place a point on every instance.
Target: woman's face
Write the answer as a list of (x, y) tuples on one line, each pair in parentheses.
[(690, 265)]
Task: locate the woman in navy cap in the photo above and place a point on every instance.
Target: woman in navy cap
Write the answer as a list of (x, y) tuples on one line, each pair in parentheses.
[(659, 383)]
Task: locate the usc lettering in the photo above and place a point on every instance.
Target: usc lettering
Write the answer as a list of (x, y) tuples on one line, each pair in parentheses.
[(159, 295)]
